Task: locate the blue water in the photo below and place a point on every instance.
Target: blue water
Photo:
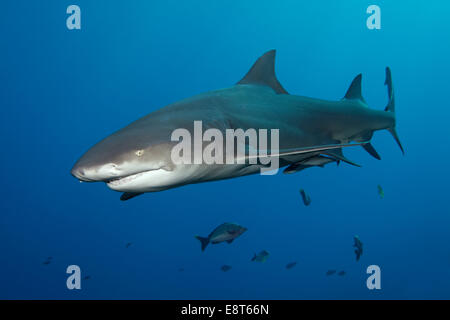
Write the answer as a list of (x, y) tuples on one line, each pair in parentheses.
[(63, 90)]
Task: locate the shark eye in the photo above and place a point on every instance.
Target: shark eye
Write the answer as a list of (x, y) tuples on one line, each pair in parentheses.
[(139, 153)]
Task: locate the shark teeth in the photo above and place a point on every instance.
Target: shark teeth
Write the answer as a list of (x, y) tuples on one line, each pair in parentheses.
[(120, 181)]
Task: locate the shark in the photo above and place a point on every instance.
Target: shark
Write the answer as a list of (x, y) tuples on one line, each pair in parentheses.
[(312, 132)]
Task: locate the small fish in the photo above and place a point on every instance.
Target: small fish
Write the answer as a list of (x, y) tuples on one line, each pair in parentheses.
[(180, 269), (47, 262), (261, 257), (291, 265), (342, 273), (225, 268), (359, 247), (128, 244), (380, 192), (225, 232), (86, 277), (305, 197), (330, 272), (317, 161)]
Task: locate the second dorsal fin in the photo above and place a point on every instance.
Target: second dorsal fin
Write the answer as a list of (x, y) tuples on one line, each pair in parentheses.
[(354, 91), (263, 73)]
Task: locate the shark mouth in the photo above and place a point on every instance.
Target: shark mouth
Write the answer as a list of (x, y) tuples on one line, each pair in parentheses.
[(124, 180), (142, 181)]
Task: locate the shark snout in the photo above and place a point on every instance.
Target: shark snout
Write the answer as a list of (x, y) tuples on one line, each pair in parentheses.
[(78, 173), (104, 172)]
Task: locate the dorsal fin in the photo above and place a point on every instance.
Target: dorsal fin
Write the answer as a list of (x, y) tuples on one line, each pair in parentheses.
[(354, 91), (263, 73)]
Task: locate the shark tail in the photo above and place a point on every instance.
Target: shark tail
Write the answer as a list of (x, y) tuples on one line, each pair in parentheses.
[(391, 107), (204, 241)]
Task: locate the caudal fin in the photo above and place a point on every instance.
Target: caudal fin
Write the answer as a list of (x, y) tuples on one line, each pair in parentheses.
[(391, 106), (204, 241)]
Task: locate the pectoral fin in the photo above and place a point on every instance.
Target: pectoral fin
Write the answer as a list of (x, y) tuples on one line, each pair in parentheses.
[(129, 195)]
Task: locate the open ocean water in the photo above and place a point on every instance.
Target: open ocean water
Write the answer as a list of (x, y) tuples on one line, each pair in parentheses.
[(63, 90)]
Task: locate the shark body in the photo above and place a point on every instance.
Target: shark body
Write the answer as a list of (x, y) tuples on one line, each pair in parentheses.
[(137, 158)]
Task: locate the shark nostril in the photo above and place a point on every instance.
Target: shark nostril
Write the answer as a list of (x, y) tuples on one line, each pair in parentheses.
[(78, 171), (112, 169)]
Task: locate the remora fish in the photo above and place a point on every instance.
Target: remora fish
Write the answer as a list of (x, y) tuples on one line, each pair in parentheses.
[(225, 232), (137, 158)]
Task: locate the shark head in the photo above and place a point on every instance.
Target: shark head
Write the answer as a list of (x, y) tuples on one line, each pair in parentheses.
[(129, 161)]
